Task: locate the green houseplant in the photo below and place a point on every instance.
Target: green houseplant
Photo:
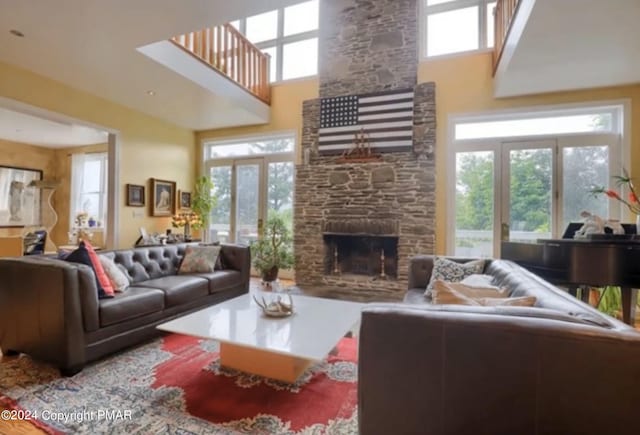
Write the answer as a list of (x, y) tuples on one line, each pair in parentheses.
[(202, 202), (273, 251)]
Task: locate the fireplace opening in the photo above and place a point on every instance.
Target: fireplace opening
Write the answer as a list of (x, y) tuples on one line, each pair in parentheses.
[(374, 256)]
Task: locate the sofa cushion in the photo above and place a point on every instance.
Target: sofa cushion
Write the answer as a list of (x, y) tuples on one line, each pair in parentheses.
[(199, 259), (448, 270), (179, 289), (222, 280), (135, 302)]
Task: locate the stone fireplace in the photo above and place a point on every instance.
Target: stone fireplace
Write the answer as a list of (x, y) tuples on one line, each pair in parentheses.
[(349, 215)]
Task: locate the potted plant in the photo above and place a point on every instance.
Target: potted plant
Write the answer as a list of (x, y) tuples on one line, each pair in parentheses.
[(273, 251), (202, 202)]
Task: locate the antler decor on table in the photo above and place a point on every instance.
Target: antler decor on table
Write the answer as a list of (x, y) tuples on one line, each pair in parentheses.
[(277, 307)]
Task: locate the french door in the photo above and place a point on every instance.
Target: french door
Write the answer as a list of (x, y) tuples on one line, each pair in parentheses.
[(248, 190), (527, 190)]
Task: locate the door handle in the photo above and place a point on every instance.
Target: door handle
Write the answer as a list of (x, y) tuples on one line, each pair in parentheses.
[(260, 228)]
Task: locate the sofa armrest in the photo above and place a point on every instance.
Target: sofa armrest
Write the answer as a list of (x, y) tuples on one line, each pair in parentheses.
[(420, 268), (45, 307), (237, 257), (447, 370)]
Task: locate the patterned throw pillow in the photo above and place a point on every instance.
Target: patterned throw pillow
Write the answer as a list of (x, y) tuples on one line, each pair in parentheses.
[(199, 259), (118, 279), (220, 261), (451, 271)]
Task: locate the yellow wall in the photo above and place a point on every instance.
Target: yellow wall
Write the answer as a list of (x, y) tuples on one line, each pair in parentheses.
[(149, 147), (464, 84), (26, 156), (286, 113)]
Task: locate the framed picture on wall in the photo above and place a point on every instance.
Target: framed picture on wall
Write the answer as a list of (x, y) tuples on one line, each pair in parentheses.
[(163, 197), (135, 195), (185, 200), (19, 202)]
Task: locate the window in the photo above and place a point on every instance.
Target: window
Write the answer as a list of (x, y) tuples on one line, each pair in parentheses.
[(454, 26), (526, 176), (253, 179), (289, 35), (89, 189)]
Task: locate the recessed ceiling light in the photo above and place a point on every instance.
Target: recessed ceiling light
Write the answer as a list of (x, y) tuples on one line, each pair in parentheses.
[(17, 33), (151, 93)]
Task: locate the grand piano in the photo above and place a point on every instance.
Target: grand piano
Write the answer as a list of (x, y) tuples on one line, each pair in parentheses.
[(599, 261)]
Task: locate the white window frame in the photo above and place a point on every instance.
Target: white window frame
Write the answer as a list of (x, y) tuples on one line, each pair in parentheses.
[(280, 41), (619, 139), (425, 11), (103, 192)]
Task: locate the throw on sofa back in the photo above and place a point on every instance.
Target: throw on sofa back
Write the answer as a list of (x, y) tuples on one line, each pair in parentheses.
[(152, 262)]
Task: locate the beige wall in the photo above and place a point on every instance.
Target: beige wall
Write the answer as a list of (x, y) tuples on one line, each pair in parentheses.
[(26, 156), (149, 147), (286, 113), (464, 84)]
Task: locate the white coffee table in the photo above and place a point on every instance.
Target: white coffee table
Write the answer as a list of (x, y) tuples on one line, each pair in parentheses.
[(277, 348)]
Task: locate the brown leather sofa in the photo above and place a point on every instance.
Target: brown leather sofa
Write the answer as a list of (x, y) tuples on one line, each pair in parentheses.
[(559, 368), (49, 308)]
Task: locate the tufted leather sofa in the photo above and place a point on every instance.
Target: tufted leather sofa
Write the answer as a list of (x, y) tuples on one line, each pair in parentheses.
[(561, 367), (49, 308)]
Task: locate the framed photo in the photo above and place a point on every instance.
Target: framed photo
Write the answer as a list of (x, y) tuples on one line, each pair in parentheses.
[(135, 195), (185, 200), (19, 202), (163, 197)]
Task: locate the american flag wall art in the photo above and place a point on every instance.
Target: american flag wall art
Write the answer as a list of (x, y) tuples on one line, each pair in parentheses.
[(385, 117)]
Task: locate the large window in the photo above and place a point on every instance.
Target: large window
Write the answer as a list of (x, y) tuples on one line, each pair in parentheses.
[(253, 179), (454, 26), (88, 190), (289, 35), (526, 176)]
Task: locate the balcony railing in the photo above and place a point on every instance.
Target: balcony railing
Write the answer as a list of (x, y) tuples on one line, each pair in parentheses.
[(229, 52), (503, 13)]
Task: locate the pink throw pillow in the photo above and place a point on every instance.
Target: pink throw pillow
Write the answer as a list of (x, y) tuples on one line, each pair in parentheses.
[(100, 273)]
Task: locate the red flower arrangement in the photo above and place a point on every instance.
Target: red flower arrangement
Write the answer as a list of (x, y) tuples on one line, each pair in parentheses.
[(631, 202)]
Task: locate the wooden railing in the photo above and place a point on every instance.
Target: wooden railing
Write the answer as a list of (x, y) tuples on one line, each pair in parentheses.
[(228, 51), (503, 15)]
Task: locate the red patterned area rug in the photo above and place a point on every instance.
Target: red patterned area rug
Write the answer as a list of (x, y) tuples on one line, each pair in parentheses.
[(176, 385)]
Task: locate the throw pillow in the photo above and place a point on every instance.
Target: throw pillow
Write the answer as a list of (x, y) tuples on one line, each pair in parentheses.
[(444, 294), (447, 270), (522, 301), (471, 291), (97, 266), (81, 256), (199, 259), (118, 279), (220, 261)]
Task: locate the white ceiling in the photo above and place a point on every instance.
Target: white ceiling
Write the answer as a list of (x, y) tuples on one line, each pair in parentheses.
[(571, 44), (92, 45), (20, 127)]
